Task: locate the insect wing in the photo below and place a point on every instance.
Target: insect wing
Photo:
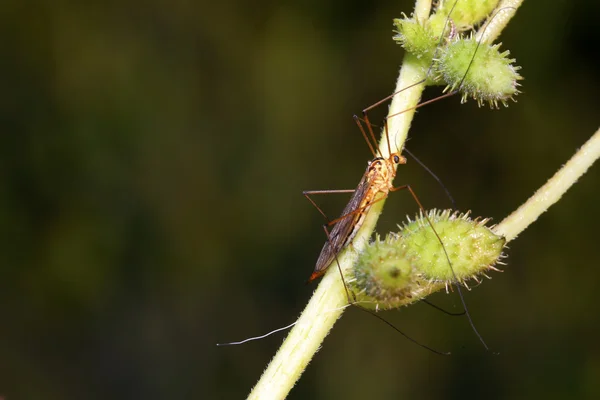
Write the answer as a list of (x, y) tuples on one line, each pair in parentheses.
[(344, 230)]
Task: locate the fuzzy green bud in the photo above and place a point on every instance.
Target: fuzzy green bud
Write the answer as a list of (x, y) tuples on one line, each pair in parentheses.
[(478, 70), (408, 265), (469, 244), (384, 271), (419, 39)]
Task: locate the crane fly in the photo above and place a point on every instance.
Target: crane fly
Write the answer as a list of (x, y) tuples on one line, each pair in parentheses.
[(375, 185)]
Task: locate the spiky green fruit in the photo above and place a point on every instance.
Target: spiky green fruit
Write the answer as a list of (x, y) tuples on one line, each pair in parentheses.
[(478, 70), (384, 272), (409, 265), (419, 39), (474, 69), (469, 245)]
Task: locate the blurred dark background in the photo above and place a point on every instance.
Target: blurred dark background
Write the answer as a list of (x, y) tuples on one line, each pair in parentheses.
[(153, 156)]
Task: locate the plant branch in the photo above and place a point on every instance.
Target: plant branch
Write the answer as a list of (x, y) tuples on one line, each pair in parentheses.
[(552, 191), (498, 20)]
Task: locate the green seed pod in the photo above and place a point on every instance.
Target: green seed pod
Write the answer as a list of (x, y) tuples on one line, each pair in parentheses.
[(490, 75), (416, 38), (422, 41), (466, 13), (409, 265), (384, 273), (471, 246)]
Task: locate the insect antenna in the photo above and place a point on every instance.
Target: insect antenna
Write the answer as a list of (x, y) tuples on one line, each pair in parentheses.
[(438, 180)]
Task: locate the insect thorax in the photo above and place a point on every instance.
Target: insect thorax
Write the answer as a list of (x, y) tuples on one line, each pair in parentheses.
[(380, 174)]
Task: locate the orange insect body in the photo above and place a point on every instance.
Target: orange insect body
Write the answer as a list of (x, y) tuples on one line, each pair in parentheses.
[(375, 185)]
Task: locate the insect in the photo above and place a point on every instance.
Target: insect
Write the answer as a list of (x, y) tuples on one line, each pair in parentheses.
[(374, 185)]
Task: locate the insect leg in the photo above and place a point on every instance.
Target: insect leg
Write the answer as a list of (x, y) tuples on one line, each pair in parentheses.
[(462, 299)]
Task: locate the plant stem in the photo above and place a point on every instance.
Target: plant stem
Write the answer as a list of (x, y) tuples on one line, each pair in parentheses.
[(497, 21), (552, 191)]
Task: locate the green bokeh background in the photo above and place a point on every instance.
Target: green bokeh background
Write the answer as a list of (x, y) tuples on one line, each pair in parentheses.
[(153, 156)]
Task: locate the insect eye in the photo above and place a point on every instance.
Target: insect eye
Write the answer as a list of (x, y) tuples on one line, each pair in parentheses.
[(396, 159)]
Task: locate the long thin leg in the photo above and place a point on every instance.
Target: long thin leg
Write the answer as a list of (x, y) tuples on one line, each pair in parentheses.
[(462, 299), (424, 103), (367, 139), (307, 194), (442, 310), (402, 333), (438, 180), (366, 120), (353, 212), (369, 128), (447, 22), (339, 267)]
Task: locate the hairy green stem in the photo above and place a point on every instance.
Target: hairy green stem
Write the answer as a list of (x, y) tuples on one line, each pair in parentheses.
[(552, 191), (498, 20)]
